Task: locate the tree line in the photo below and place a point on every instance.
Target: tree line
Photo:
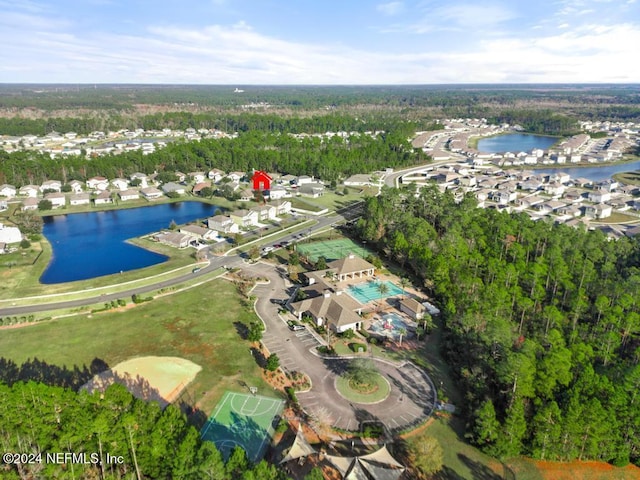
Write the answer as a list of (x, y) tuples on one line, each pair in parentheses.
[(329, 159), (155, 444), (541, 322)]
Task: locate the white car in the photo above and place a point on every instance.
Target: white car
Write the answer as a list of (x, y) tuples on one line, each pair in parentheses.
[(267, 249)]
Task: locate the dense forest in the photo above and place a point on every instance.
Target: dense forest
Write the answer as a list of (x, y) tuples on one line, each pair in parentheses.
[(227, 122), (154, 443), (541, 322), (329, 159)]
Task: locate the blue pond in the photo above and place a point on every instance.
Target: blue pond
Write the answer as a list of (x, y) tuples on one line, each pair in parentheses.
[(88, 245), (515, 142)]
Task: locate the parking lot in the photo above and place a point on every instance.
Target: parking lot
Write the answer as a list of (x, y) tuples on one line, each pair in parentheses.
[(277, 344)]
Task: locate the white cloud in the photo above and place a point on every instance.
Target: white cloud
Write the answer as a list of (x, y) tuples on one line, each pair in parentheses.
[(47, 49), (391, 8)]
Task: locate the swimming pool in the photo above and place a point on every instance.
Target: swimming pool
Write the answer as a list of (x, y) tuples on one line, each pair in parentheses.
[(369, 291)]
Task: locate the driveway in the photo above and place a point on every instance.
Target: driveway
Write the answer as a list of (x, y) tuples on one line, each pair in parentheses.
[(412, 396)]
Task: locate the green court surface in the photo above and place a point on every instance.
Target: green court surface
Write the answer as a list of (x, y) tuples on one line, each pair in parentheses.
[(243, 420), (331, 249)]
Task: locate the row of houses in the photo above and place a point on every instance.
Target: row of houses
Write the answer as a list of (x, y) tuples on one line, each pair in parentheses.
[(285, 185), (458, 134), (219, 226), (539, 195)]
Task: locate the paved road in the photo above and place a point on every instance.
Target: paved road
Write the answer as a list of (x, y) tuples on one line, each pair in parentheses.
[(232, 260), (412, 396), (393, 179)]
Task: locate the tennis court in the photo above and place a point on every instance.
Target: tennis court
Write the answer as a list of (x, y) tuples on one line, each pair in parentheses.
[(243, 420), (368, 291), (331, 249)]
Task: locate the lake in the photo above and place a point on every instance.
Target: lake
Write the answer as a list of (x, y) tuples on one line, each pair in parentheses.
[(594, 174), (515, 143), (89, 245)]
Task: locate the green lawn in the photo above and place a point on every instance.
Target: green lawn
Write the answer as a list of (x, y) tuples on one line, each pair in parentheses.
[(189, 324), (461, 460)]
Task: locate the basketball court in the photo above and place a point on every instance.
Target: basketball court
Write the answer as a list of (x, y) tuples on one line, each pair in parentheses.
[(247, 421)]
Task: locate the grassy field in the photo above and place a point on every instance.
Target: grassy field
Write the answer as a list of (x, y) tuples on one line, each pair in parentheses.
[(630, 178), (189, 325), (618, 217)]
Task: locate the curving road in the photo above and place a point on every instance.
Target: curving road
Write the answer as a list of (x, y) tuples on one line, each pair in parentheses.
[(215, 262), (412, 396)]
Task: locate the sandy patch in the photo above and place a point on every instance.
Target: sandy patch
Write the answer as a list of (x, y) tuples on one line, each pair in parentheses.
[(159, 379)]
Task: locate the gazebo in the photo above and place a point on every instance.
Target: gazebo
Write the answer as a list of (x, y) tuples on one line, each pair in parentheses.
[(379, 465)]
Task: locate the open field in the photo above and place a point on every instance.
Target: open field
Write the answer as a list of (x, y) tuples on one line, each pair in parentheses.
[(189, 325), (618, 217), (630, 178)]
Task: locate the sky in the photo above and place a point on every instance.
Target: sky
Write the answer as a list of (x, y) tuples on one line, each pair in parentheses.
[(319, 42)]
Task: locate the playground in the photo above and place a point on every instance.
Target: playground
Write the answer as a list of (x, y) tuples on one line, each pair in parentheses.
[(246, 421), (331, 249)]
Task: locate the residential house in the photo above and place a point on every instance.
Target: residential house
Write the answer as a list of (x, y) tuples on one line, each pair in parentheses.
[(276, 192), (532, 184), (503, 197), (197, 188), (198, 232), (151, 193), (7, 190), (598, 211), (173, 239), (555, 189), (413, 308), (222, 224), (313, 190), (76, 186), (103, 198), (599, 196), (235, 176), (215, 175), (4, 205), (9, 234), (528, 202), (265, 212), (246, 195), (29, 203), (57, 199), (571, 211), (287, 180), (120, 183), (144, 179), (181, 177), (197, 177), (130, 194), (573, 196), (561, 177), (29, 191), (54, 185), (282, 206), (80, 199), (302, 179), (244, 218), (172, 187), (97, 183)]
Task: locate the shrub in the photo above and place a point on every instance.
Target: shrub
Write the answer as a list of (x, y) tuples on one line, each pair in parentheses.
[(356, 346), (348, 334), (25, 243)]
